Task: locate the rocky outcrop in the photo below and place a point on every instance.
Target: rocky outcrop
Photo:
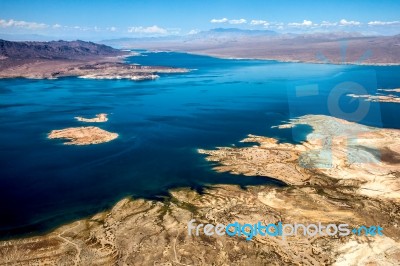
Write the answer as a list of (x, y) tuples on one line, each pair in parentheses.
[(98, 119), (83, 135), (390, 98)]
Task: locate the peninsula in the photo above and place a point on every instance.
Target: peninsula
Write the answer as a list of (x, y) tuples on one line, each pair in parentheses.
[(55, 59)]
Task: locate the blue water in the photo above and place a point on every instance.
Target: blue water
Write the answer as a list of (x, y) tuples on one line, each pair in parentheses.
[(161, 123)]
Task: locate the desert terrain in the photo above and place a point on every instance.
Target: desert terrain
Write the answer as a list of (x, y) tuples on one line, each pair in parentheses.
[(329, 180)]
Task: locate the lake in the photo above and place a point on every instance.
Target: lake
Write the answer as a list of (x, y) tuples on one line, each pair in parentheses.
[(161, 124)]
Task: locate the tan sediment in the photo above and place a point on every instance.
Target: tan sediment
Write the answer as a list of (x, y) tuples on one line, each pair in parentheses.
[(381, 251), (83, 135), (377, 98), (390, 90), (147, 232), (98, 119)]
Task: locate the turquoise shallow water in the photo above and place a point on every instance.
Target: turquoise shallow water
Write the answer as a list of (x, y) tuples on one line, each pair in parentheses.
[(161, 124)]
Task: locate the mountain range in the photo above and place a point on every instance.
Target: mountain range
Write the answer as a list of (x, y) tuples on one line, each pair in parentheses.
[(333, 47), (55, 50)]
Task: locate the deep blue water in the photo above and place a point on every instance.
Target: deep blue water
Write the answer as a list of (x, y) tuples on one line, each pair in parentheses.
[(161, 123)]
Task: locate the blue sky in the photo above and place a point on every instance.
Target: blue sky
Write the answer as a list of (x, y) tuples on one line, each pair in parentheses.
[(104, 19)]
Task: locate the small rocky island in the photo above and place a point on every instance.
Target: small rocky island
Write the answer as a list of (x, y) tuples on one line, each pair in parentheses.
[(100, 118), (85, 135), (55, 59), (384, 98)]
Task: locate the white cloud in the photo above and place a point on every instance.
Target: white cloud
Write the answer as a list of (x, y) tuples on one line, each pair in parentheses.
[(22, 24), (222, 20), (174, 31), (328, 24), (56, 26), (237, 21), (259, 22), (344, 22), (148, 30), (113, 29), (193, 32), (232, 21), (382, 23), (305, 23)]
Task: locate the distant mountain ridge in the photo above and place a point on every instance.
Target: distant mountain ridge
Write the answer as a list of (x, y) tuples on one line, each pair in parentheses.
[(318, 47), (55, 50), (217, 33)]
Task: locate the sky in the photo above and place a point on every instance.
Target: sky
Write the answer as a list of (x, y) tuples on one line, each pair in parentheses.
[(136, 18)]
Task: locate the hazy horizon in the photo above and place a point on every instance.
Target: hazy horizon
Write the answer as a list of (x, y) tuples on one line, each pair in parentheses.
[(99, 20)]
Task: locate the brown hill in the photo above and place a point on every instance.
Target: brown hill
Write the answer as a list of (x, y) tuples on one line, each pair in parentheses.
[(55, 50)]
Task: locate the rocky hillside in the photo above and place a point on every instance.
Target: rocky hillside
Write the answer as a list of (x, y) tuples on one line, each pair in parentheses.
[(55, 50)]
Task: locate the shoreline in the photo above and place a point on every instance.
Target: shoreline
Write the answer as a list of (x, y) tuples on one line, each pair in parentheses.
[(126, 227), (220, 56), (92, 68), (229, 57), (108, 67)]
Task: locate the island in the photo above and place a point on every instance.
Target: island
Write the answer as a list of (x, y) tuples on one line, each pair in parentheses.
[(83, 135), (100, 118), (386, 98), (390, 90)]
